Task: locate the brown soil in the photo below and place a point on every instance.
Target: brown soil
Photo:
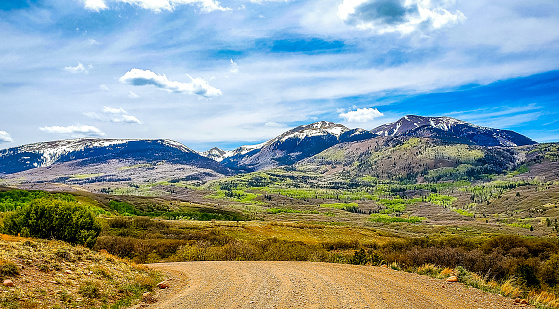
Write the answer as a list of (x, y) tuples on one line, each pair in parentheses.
[(311, 285)]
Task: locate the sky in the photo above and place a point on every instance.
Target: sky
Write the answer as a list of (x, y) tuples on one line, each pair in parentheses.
[(233, 72)]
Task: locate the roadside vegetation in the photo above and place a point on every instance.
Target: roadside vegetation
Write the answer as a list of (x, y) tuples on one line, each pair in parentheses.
[(55, 268), (55, 274)]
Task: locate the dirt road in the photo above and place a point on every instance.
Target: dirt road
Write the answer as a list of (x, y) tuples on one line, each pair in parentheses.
[(311, 285)]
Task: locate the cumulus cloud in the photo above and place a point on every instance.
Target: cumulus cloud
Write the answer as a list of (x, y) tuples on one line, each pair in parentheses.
[(95, 5), (361, 115), (158, 5), (80, 68), (133, 95), (103, 87), (198, 86), (74, 131), (114, 115), (5, 137), (403, 16)]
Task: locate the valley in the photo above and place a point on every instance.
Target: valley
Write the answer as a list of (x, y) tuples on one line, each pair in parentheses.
[(421, 192)]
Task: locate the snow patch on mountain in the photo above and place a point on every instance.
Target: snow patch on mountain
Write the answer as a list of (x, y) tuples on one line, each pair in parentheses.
[(50, 152), (314, 129), (451, 129), (411, 122)]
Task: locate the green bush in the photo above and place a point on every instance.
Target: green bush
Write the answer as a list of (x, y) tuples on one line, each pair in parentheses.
[(54, 219), (123, 208)]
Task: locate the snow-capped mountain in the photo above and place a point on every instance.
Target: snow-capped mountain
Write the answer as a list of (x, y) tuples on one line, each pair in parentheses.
[(215, 154), (452, 130), (220, 154), (411, 122), (288, 148), (95, 150), (320, 128), (293, 145)]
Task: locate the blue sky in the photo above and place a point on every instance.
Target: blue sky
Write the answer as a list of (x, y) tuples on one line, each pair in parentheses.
[(226, 73)]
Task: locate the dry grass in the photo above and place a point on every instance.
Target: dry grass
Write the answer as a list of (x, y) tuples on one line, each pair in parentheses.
[(544, 299), (447, 272), (54, 274), (508, 288)]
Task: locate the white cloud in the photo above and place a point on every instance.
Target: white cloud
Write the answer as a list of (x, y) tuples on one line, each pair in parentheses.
[(198, 86), (5, 137), (93, 42), (273, 124), (405, 17), (95, 5), (128, 119), (113, 110), (267, 1), (103, 87), (114, 115), (74, 131), (133, 95), (159, 5), (234, 68), (361, 115), (80, 68)]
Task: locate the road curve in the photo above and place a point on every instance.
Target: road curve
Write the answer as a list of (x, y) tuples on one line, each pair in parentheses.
[(311, 285)]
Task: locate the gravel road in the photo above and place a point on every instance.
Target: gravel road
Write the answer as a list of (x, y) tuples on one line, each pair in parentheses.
[(311, 285)]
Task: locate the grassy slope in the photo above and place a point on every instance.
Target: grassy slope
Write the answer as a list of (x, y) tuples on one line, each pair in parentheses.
[(54, 274)]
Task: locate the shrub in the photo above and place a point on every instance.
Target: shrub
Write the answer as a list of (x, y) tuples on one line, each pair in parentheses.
[(429, 270), (362, 257), (8, 269), (527, 273), (550, 270), (54, 219), (90, 289)]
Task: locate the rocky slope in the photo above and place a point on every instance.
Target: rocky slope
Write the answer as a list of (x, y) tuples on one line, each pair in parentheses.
[(55, 274)]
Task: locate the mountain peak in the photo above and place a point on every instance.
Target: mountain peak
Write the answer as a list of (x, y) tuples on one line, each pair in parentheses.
[(215, 153), (410, 122), (294, 145), (313, 129), (447, 128)]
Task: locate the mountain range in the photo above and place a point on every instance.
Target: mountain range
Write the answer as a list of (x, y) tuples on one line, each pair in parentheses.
[(110, 159)]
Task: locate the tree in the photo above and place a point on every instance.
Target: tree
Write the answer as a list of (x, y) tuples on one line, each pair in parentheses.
[(50, 218)]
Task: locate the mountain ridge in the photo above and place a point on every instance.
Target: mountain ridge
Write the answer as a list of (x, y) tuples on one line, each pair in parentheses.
[(454, 129), (292, 146), (93, 150)]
